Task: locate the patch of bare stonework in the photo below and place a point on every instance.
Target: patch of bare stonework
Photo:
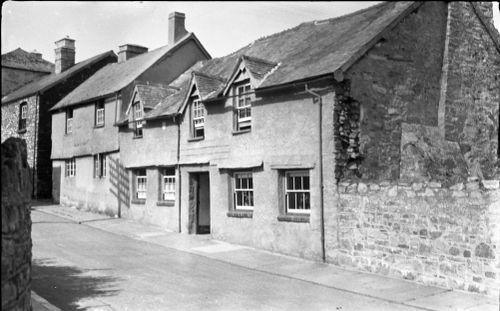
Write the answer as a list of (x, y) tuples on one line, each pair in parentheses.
[(16, 226)]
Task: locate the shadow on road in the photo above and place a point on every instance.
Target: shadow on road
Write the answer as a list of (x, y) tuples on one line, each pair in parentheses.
[(65, 286)]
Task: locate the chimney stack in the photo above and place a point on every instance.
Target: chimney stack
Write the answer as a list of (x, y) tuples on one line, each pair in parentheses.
[(127, 51), (176, 28), (65, 54)]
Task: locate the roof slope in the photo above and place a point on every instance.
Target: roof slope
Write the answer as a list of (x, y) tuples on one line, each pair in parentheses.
[(207, 85), (51, 80), (22, 59), (114, 77), (311, 49), (152, 94)]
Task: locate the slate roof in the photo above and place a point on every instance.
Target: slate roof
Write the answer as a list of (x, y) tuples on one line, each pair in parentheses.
[(306, 51), (22, 59), (114, 77), (207, 85), (152, 94), (51, 80)]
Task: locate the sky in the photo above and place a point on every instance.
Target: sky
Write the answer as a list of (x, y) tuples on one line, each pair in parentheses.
[(222, 27)]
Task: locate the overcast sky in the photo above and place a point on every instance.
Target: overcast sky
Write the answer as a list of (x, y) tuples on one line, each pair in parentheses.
[(222, 27)]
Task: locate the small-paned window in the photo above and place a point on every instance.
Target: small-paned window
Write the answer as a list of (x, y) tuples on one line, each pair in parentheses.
[(198, 118), (138, 121), (168, 184), (141, 181), (70, 167), (69, 121), (23, 115), (243, 191), (99, 113), (297, 192), (99, 165), (243, 107)]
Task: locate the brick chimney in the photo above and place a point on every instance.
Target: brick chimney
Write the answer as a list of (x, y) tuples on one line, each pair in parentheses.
[(176, 28), (65, 54), (127, 51)]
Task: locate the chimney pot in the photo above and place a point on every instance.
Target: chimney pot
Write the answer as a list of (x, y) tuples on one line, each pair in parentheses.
[(176, 27), (65, 54), (127, 51)]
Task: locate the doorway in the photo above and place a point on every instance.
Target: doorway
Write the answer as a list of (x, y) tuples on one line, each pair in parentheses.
[(199, 203)]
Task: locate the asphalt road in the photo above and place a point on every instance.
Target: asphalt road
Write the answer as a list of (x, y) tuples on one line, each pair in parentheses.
[(77, 267)]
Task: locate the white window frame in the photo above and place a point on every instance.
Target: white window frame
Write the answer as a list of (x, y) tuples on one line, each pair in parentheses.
[(198, 116), (99, 114), (23, 116), (246, 192), (70, 167), (100, 165), (292, 193), (141, 184), (168, 180), (138, 119), (69, 121), (243, 105)]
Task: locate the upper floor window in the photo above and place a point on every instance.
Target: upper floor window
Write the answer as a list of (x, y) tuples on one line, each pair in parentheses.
[(69, 121), (141, 181), (99, 165), (70, 169), (297, 192), (99, 113), (23, 115), (198, 118), (243, 191), (138, 122), (243, 107), (168, 184)]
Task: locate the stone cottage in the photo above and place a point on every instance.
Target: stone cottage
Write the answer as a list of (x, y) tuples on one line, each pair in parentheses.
[(368, 141), (85, 150), (20, 67), (25, 111)]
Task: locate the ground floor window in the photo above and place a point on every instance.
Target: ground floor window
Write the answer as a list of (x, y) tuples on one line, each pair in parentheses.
[(297, 192), (70, 167), (168, 184), (141, 181), (243, 191), (99, 165)]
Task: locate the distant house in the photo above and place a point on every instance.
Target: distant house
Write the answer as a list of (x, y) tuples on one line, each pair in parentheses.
[(20, 67), (25, 111), (368, 140), (85, 144)]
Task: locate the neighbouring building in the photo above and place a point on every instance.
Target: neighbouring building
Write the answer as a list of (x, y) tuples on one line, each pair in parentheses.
[(85, 150), (20, 67), (25, 111), (369, 141)]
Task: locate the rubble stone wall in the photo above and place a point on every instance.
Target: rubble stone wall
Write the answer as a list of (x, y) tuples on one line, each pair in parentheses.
[(443, 236), (16, 226)]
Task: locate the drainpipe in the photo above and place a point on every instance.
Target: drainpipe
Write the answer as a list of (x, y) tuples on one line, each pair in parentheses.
[(178, 165), (319, 100), (118, 164)]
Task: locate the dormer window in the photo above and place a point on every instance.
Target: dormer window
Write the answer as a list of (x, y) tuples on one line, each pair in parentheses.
[(243, 106), (99, 113), (69, 121), (23, 116), (198, 118), (138, 122)]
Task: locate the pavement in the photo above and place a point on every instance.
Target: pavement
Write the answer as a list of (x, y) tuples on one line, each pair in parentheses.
[(401, 294)]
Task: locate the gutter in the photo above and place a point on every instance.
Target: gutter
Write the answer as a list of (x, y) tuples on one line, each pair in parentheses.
[(318, 99)]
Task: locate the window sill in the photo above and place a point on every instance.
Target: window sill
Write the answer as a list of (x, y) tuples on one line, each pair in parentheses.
[(98, 126), (240, 214), (68, 134), (196, 139), (137, 137), (293, 218), (165, 203), (137, 201), (21, 131), (241, 132)]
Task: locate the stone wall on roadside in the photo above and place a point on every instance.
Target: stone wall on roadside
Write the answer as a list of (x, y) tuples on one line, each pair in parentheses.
[(435, 235), (16, 226)]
